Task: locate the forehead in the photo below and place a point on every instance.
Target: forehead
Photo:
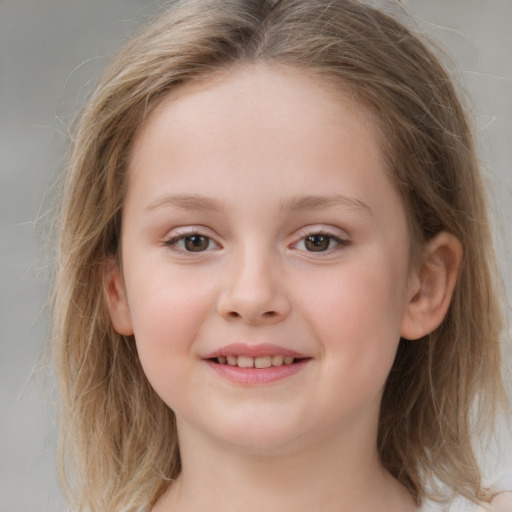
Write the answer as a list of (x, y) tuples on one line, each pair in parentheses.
[(276, 101), (258, 126)]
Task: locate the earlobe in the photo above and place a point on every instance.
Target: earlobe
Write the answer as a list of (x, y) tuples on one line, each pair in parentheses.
[(431, 286), (117, 301)]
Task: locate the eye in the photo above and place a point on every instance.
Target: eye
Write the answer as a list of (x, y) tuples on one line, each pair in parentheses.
[(191, 242), (320, 242)]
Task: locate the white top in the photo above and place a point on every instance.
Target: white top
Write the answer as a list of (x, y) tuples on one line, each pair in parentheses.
[(502, 502)]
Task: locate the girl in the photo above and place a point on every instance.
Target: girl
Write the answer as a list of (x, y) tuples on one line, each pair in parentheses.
[(275, 287)]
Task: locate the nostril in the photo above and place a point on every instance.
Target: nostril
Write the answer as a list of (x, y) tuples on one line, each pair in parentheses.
[(269, 315)]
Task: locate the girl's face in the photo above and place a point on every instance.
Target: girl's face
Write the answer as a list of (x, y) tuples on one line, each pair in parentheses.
[(260, 226)]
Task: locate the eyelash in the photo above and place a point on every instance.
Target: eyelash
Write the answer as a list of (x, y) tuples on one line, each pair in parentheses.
[(341, 243), (173, 242)]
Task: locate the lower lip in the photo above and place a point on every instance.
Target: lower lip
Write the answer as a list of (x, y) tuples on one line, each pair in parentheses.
[(257, 376)]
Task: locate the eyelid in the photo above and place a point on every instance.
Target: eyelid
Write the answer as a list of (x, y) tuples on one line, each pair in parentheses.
[(340, 236), (336, 234), (181, 233)]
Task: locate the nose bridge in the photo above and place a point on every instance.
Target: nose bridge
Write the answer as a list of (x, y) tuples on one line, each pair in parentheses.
[(253, 289)]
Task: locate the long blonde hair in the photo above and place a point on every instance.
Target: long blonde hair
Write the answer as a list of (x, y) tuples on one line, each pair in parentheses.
[(118, 443)]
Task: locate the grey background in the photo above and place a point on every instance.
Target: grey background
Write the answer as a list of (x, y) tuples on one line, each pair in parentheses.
[(51, 54)]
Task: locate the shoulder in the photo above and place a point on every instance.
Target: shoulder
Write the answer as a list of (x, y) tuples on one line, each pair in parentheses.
[(502, 502)]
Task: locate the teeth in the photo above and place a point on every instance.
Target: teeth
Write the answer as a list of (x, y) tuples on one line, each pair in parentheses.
[(262, 362), (245, 362), (277, 360), (255, 362)]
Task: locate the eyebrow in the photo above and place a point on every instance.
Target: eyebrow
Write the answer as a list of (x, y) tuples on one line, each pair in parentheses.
[(187, 202), (195, 202), (315, 202)]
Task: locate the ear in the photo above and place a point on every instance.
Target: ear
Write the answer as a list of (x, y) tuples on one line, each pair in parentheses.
[(117, 301), (431, 286)]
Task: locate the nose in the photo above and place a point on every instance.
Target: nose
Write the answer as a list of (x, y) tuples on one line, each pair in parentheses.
[(252, 292)]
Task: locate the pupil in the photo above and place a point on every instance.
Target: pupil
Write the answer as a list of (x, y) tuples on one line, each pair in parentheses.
[(317, 243), (196, 243)]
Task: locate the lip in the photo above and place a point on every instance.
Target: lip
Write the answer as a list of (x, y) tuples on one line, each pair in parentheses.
[(256, 376), (256, 350)]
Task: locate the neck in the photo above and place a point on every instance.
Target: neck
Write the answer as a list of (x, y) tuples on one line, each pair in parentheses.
[(332, 475)]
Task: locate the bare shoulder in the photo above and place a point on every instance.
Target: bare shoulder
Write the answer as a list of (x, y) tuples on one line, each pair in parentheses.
[(502, 502)]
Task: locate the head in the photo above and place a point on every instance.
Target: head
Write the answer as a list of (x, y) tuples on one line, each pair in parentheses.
[(426, 141)]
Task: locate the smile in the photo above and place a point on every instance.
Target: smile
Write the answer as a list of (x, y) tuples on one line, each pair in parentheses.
[(256, 365), (255, 362)]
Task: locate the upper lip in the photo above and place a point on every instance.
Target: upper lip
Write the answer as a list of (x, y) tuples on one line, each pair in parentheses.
[(256, 350)]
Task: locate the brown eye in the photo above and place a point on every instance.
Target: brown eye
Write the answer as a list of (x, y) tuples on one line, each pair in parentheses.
[(196, 243), (317, 243), (192, 243)]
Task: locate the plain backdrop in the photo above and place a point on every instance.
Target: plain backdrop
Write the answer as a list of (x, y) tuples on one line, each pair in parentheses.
[(51, 55)]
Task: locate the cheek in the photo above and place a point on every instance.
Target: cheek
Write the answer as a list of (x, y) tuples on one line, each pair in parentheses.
[(167, 317), (362, 299), (357, 315)]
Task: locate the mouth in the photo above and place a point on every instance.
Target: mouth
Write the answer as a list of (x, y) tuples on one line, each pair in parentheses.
[(260, 362), (256, 365)]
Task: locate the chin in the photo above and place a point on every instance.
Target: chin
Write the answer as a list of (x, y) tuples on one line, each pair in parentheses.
[(253, 435)]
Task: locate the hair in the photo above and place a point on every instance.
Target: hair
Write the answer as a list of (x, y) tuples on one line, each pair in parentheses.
[(118, 440)]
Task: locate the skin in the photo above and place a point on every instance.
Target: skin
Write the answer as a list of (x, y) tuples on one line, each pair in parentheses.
[(249, 146)]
